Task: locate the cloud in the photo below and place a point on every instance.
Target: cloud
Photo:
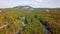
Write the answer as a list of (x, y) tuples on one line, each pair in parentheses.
[(39, 3), (45, 4), (33, 3), (41, 0)]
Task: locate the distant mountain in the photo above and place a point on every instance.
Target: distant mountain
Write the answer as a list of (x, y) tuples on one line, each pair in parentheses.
[(23, 7), (31, 8)]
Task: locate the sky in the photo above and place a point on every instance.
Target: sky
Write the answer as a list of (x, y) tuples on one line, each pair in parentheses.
[(33, 3)]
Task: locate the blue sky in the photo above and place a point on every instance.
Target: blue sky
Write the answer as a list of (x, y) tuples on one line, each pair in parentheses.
[(33, 3)]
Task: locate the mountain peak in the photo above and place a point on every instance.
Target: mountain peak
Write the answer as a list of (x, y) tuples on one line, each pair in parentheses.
[(23, 7)]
